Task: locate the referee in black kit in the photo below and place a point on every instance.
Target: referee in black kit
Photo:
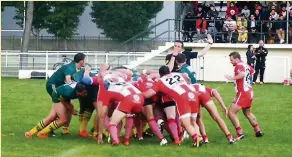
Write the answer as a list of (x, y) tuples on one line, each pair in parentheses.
[(179, 48)]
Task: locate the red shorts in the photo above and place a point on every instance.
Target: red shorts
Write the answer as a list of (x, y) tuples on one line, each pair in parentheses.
[(103, 95), (194, 104), (182, 104), (204, 97), (244, 99), (131, 104)]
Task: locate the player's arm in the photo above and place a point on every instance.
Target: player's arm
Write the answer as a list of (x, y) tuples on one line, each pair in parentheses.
[(240, 75), (218, 97), (67, 72), (152, 91), (170, 59), (207, 48)]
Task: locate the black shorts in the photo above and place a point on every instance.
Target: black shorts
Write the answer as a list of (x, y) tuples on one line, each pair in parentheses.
[(86, 103), (167, 104), (148, 101)]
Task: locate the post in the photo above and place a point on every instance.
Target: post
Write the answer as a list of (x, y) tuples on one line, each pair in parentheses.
[(6, 60), (106, 58), (47, 64), (168, 31), (287, 25)]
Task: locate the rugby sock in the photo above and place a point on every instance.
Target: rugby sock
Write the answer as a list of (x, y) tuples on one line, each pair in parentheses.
[(194, 137), (40, 126), (113, 132), (120, 125), (129, 127), (52, 126), (81, 117), (172, 125), (239, 131), (84, 123), (106, 122), (257, 128), (205, 137), (155, 129), (139, 126), (179, 128)]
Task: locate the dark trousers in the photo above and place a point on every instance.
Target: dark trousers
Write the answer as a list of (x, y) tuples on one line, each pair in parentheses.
[(259, 68)]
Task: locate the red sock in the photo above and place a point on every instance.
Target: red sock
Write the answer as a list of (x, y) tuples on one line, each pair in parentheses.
[(119, 127), (194, 137), (179, 128), (205, 137), (239, 131), (114, 132), (129, 127), (257, 128), (155, 129), (173, 128), (139, 126), (106, 122)]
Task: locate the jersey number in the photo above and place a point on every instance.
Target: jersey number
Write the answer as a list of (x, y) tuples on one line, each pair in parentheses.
[(248, 75), (174, 79)]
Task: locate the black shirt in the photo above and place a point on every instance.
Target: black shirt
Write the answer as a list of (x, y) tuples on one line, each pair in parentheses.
[(261, 54), (189, 55)]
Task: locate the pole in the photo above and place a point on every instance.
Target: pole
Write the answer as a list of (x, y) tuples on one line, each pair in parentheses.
[(287, 35)]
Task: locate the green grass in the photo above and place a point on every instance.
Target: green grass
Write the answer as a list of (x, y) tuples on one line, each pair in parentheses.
[(25, 102)]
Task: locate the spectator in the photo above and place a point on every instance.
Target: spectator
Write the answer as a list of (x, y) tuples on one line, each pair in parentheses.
[(211, 26), (206, 5), (265, 10), (188, 27), (245, 11), (212, 12), (258, 6), (260, 66), (270, 29), (274, 14), (280, 29), (252, 23), (253, 37), (257, 15), (290, 26), (250, 59), (229, 26), (232, 11), (283, 12), (242, 35), (241, 21)]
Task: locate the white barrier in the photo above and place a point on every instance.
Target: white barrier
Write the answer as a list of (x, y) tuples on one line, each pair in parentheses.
[(209, 68)]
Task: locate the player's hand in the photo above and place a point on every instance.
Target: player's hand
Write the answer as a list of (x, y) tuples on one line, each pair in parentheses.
[(225, 111), (99, 139), (228, 77)]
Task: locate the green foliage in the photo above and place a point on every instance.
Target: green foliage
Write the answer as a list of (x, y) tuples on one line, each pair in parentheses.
[(63, 18), (122, 20)]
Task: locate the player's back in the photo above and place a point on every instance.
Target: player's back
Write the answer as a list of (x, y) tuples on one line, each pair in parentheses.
[(118, 87), (144, 83), (243, 84), (175, 84)]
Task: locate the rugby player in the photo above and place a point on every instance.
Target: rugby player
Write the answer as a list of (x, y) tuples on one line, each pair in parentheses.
[(60, 111), (176, 86), (63, 75), (244, 95)]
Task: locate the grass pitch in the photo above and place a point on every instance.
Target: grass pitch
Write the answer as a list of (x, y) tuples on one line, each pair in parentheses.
[(25, 103)]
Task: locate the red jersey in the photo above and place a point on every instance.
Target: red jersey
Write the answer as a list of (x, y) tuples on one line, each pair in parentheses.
[(243, 85), (203, 89), (144, 83), (174, 85)]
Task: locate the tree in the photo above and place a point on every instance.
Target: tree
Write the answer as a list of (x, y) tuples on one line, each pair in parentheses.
[(9, 4), (64, 19), (122, 20), (26, 33), (41, 12)]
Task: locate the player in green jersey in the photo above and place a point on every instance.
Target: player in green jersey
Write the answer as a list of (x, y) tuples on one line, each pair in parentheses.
[(185, 68)]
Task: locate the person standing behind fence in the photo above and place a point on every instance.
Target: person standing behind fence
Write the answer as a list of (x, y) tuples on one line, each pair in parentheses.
[(250, 59), (260, 65)]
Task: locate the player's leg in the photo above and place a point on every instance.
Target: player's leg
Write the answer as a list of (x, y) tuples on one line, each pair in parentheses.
[(170, 111), (62, 113), (232, 113), (148, 112), (65, 129), (253, 121), (128, 128), (186, 122), (202, 128), (212, 109), (42, 124), (115, 120), (138, 126)]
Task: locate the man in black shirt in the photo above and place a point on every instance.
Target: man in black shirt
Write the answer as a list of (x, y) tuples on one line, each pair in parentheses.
[(179, 48), (260, 66)]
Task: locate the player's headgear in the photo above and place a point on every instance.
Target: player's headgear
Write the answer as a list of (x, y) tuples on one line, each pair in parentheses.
[(163, 70), (79, 57)]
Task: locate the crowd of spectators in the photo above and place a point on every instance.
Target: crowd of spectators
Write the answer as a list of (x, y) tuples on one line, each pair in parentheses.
[(242, 22)]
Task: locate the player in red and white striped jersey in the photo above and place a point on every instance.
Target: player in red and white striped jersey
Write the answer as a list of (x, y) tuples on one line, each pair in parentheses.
[(244, 95), (177, 86)]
